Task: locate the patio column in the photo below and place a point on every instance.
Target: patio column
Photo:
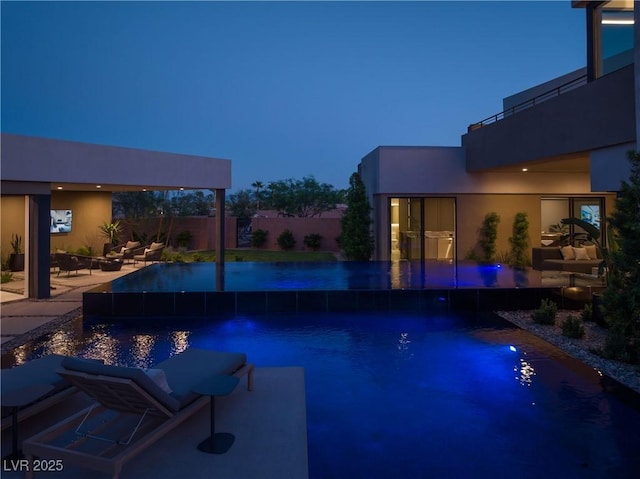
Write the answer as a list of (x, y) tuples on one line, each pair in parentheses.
[(220, 224), (38, 250)]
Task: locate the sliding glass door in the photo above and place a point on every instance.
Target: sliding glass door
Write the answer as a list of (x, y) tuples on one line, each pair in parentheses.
[(422, 228)]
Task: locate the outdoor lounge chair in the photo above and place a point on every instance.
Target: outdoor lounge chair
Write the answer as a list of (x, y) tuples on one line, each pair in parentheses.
[(21, 381), (73, 262), (133, 410), (152, 253), (126, 251)]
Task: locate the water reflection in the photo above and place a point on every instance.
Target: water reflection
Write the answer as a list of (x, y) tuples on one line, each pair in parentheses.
[(61, 342), (142, 350), (179, 341), (102, 346), (525, 371)]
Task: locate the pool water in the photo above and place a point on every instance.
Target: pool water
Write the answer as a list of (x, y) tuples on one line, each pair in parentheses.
[(335, 275), (408, 395)]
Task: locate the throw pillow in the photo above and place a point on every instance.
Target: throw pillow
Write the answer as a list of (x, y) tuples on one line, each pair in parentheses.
[(147, 250), (591, 251), (123, 250), (581, 254), (567, 252)]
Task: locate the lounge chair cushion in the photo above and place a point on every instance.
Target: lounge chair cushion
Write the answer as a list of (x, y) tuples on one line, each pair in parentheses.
[(38, 371), (186, 370), (136, 375), (154, 245), (132, 244)]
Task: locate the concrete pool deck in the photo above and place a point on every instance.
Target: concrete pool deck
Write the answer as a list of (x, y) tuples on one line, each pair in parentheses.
[(269, 425)]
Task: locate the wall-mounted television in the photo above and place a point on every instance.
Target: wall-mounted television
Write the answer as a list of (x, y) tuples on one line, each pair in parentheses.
[(61, 221), (590, 214)]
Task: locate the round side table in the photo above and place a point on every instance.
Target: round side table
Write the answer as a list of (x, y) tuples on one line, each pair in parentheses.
[(216, 443)]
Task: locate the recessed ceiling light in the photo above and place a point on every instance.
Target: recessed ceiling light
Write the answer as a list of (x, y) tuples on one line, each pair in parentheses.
[(617, 22), (59, 187), (525, 169), (98, 186)]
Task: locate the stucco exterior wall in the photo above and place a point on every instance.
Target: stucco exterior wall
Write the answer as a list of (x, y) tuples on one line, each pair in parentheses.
[(597, 115), (471, 210), (89, 210), (442, 171), (41, 159), (328, 228), (202, 229), (12, 221)]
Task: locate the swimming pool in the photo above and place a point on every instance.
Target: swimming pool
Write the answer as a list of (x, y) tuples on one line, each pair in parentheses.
[(206, 289), (334, 275), (406, 394)]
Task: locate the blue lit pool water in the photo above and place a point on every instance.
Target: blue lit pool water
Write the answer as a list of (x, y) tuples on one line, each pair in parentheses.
[(335, 275), (407, 395)]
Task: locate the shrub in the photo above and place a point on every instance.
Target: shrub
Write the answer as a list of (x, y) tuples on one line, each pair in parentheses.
[(6, 276), (183, 239), (572, 327), (259, 238), (286, 241), (519, 253), (587, 312), (313, 241), (546, 313), (198, 257), (488, 237), (85, 251)]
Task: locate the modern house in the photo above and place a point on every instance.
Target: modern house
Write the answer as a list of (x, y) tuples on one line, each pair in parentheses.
[(56, 193), (556, 150)]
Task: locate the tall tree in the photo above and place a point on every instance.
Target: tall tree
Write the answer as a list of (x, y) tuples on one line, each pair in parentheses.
[(241, 204), (257, 185), (356, 240), (621, 298), (304, 198)]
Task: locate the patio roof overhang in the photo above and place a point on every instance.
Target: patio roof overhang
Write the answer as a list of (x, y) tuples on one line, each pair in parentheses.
[(73, 166)]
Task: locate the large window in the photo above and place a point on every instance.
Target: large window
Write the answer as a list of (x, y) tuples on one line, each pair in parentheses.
[(617, 36), (422, 228), (553, 210)]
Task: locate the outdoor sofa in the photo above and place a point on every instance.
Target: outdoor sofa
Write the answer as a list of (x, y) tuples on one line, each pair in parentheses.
[(552, 258)]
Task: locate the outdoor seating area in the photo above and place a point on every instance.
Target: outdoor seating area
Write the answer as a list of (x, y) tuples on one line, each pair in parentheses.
[(133, 409), (126, 251), (151, 254), (73, 262)]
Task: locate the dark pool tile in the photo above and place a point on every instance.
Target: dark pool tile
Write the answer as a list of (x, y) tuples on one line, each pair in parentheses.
[(492, 299), (434, 300), (464, 300), (250, 302), (342, 301), (220, 303), (373, 300), (128, 304), (158, 304), (282, 301), (405, 300), (190, 304), (97, 304), (312, 301)]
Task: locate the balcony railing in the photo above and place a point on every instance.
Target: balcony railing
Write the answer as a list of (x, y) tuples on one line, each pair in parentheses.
[(572, 85)]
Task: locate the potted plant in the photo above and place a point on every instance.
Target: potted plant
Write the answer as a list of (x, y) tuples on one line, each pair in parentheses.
[(16, 258), (112, 232)]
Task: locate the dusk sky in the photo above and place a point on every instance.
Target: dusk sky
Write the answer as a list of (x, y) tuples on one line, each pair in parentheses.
[(283, 89)]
